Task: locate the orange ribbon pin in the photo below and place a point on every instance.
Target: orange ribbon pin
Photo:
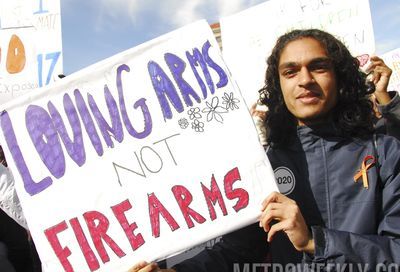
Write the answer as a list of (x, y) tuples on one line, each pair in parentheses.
[(364, 169)]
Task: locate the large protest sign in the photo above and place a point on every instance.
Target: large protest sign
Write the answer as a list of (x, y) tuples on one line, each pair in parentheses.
[(30, 46), (392, 59), (118, 162), (249, 36)]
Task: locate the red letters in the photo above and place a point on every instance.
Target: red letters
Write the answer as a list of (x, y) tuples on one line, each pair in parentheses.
[(155, 209), (90, 258), (119, 211), (243, 197), (62, 253), (99, 233), (184, 198), (98, 224), (212, 196)]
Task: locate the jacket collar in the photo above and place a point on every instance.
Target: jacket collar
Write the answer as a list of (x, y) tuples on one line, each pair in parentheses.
[(307, 136)]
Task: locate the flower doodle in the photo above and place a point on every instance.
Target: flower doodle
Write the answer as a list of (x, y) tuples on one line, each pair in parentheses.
[(194, 113), (230, 102), (197, 125), (183, 123), (214, 111)]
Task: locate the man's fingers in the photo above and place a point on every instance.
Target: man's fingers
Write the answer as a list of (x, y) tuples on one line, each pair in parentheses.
[(267, 217), (374, 62), (144, 267), (274, 197), (269, 209), (375, 58), (280, 226), (272, 206), (376, 77), (383, 69), (267, 200), (138, 266), (382, 75), (153, 267)]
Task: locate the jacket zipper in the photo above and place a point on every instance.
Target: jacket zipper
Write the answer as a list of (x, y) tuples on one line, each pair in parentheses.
[(326, 178)]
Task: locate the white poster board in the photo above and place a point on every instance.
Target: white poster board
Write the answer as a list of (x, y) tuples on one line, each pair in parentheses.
[(118, 162), (392, 59), (249, 36), (30, 46)]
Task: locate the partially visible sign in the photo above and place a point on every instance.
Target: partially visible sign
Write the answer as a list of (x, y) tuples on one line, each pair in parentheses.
[(392, 59), (30, 46), (249, 36)]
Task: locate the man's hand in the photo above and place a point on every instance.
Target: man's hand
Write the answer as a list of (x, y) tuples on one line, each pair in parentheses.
[(259, 111), (146, 267), (379, 74), (290, 220)]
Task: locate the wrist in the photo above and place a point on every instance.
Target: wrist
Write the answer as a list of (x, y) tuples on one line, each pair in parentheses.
[(382, 98), (310, 247)]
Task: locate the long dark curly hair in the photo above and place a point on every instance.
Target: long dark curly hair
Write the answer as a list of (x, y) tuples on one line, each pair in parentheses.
[(353, 114)]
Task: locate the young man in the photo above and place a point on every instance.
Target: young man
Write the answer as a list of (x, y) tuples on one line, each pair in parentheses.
[(342, 210)]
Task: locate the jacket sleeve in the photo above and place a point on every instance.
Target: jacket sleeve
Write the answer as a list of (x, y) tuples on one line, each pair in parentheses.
[(231, 253), (391, 114), (9, 201), (375, 251)]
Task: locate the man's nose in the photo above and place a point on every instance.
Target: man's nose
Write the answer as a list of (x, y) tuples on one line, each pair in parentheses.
[(305, 77)]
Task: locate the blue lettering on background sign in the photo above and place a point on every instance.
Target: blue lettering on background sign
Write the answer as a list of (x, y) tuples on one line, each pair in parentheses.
[(177, 67), (40, 10), (165, 89), (45, 139), (148, 124), (50, 56), (116, 128), (195, 59), (75, 147)]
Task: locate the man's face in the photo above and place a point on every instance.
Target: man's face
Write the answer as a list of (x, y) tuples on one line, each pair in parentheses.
[(307, 80)]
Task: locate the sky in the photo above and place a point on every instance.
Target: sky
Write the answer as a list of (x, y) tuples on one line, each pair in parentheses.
[(93, 30)]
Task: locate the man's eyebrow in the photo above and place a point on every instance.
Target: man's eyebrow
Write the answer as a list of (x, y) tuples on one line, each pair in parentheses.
[(287, 65), (321, 60)]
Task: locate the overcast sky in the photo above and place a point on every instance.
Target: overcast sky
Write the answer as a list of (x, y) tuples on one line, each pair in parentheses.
[(97, 29)]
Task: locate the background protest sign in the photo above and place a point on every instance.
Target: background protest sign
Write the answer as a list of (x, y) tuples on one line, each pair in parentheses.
[(30, 45), (118, 162), (392, 59), (249, 36)]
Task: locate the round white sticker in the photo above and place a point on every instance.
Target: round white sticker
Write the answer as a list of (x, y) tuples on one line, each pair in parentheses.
[(285, 180)]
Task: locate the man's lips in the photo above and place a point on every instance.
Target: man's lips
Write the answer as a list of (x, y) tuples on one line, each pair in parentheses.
[(308, 97)]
